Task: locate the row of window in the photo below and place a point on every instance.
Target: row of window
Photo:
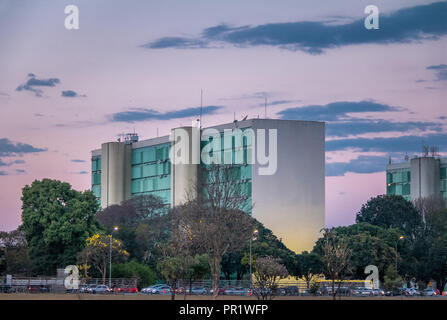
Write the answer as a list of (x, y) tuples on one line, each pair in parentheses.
[(150, 170), (150, 184), (399, 189), (398, 177), (443, 172), (235, 173), (96, 164), (150, 154), (165, 195)]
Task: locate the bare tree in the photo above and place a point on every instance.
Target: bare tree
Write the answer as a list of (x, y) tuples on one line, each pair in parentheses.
[(429, 204), (214, 219), (267, 273), (336, 258)]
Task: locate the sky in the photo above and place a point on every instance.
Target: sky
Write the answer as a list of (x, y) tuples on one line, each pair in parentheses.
[(140, 65)]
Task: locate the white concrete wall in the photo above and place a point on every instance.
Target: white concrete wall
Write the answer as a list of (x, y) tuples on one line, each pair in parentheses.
[(292, 202), (115, 173), (425, 178)]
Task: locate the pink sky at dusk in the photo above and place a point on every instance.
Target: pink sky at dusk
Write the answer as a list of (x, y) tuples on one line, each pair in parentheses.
[(105, 64)]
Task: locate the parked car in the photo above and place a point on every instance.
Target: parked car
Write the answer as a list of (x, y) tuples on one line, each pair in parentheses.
[(162, 289), (411, 292), (148, 290), (378, 292), (394, 292), (84, 289), (90, 288), (362, 292), (220, 291), (37, 289), (198, 290), (128, 289), (429, 292), (101, 289), (290, 291)]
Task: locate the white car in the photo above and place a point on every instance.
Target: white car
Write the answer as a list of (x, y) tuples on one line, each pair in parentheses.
[(198, 290)]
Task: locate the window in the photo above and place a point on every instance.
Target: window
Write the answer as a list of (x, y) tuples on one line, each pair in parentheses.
[(443, 173)]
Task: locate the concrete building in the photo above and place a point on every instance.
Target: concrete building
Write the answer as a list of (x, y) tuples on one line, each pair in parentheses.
[(419, 177), (289, 200)]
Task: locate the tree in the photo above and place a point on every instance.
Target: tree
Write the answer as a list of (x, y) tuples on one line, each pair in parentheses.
[(174, 269), (391, 211), (392, 280), (145, 275), (336, 258), (199, 269), (97, 253), (308, 266), (267, 273), (56, 221), (14, 253), (142, 225), (213, 218), (426, 205)]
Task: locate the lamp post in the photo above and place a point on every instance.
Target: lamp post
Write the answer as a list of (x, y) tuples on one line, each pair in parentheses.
[(253, 237), (400, 238), (110, 257)]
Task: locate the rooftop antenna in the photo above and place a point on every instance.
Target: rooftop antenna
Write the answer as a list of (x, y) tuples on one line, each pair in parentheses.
[(389, 160), (201, 106), (406, 157), (265, 108), (434, 151)]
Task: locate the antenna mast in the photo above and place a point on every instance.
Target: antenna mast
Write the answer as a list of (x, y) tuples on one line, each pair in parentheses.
[(265, 108), (201, 105)]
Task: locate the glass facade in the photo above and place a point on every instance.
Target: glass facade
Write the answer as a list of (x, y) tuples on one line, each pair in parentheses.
[(241, 170), (96, 177), (443, 171), (151, 172), (398, 183)]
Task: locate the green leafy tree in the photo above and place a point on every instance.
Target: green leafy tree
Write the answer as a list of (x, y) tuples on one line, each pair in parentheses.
[(14, 253), (145, 275), (56, 221), (308, 266), (392, 280), (175, 268), (391, 211)]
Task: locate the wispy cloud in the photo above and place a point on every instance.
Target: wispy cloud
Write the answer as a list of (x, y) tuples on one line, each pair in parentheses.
[(402, 26), (33, 82), (363, 164), (72, 94), (406, 143), (143, 114), (9, 148), (440, 71), (77, 160), (334, 111)]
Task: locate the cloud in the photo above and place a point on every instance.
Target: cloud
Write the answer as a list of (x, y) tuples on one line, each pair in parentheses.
[(33, 82), (3, 173), (82, 172), (20, 171), (334, 111), (408, 143), (9, 148), (402, 26), (357, 127), (142, 114), (363, 164), (71, 94), (77, 160), (341, 122), (440, 71)]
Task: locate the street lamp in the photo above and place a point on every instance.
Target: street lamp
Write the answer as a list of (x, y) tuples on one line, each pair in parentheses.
[(400, 238), (110, 257), (252, 238)]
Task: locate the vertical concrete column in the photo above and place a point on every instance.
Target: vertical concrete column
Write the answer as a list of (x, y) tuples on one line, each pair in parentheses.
[(115, 173), (185, 161), (425, 178)]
